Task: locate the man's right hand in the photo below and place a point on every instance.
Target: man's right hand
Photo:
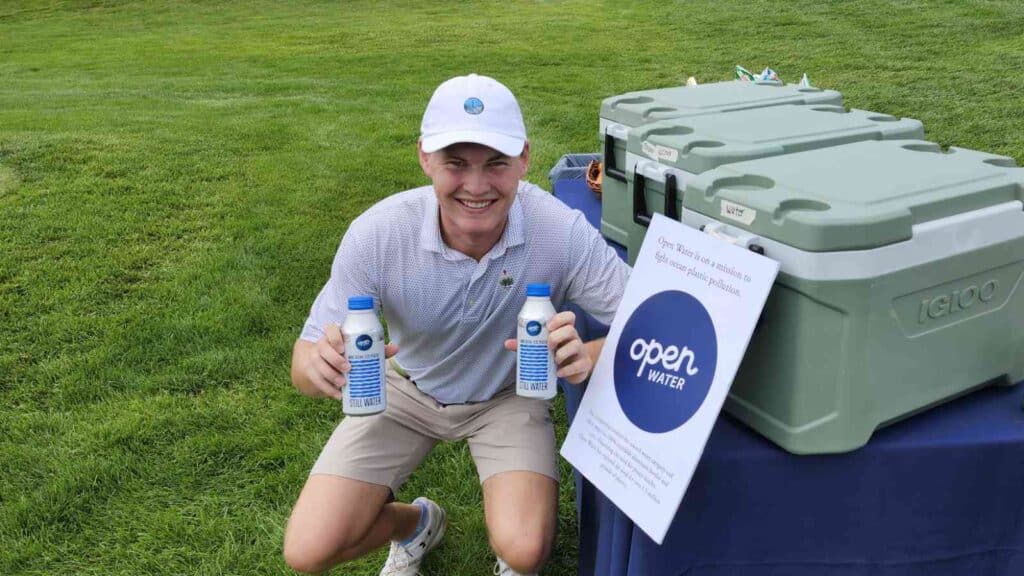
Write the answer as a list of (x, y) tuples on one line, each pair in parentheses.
[(319, 369)]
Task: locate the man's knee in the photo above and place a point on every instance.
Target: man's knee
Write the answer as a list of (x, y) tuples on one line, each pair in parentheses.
[(313, 553), (311, 546), (305, 560), (525, 553)]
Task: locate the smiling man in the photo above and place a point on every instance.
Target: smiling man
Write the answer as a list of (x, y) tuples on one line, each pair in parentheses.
[(448, 264)]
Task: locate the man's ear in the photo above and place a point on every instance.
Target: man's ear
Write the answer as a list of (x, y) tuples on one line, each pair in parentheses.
[(525, 156), (424, 159)]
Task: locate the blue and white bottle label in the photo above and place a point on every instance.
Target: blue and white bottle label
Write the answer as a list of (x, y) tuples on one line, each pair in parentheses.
[(365, 381)]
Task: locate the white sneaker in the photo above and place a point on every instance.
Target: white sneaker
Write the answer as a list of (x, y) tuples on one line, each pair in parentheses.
[(502, 569), (406, 560)]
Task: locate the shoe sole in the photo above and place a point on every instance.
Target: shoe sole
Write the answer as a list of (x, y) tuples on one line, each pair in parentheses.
[(440, 531)]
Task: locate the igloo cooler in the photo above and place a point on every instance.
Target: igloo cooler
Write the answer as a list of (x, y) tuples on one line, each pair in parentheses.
[(899, 284)]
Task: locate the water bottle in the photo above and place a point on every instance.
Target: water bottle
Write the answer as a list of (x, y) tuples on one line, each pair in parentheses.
[(364, 347), (535, 374)]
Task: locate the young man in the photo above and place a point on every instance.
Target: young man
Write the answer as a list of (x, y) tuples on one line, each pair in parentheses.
[(449, 264)]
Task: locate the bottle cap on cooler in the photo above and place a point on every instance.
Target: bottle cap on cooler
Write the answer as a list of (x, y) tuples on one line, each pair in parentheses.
[(538, 290), (360, 303)]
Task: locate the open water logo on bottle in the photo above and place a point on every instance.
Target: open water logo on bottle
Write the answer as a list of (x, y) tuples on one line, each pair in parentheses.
[(665, 361), (364, 342), (533, 327)]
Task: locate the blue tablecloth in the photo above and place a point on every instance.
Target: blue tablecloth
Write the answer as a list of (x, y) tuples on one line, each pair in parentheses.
[(940, 493)]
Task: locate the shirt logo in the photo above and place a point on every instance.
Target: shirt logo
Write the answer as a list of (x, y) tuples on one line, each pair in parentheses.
[(473, 106), (506, 280)]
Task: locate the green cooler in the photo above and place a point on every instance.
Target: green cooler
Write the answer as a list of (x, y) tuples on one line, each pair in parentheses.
[(899, 285), (663, 156), (621, 113)]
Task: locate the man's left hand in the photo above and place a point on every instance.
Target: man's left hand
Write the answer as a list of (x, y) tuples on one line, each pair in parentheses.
[(571, 356)]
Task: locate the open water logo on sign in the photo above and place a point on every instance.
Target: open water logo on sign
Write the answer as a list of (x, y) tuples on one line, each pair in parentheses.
[(665, 361)]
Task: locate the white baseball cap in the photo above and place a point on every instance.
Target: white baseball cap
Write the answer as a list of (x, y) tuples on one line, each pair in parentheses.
[(474, 109)]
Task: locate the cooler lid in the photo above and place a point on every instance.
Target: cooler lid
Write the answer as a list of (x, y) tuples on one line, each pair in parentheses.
[(856, 196), (699, 143), (636, 108)]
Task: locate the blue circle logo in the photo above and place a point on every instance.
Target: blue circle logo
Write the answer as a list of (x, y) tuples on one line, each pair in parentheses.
[(473, 106), (533, 327), (665, 361), (364, 342)]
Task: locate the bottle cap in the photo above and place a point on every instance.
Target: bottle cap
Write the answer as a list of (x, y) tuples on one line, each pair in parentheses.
[(360, 303), (538, 290)]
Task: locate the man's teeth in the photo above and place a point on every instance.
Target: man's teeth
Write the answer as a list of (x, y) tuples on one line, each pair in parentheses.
[(482, 204)]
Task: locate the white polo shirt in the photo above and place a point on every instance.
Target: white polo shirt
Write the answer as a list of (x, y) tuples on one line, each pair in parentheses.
[(450, 314)]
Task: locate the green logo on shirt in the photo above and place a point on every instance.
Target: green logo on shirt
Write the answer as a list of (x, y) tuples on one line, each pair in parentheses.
[(506, 280)]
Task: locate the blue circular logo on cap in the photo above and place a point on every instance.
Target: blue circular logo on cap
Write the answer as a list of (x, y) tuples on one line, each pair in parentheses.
[(533, 327), (665, 361), (473, 106), (364, 342)]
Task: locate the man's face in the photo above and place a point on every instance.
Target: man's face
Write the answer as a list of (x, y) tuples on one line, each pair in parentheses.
[(475, 187)]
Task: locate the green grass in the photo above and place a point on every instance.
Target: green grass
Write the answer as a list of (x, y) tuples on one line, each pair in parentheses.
[(175, 178)]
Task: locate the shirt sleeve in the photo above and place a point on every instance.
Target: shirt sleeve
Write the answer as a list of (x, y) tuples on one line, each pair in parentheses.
[(598, 278), (352, 274)]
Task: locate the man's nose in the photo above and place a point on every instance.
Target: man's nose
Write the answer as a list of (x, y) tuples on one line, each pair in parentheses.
[(475, 182)]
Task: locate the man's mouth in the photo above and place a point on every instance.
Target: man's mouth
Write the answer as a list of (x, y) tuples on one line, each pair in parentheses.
[(475, 205)]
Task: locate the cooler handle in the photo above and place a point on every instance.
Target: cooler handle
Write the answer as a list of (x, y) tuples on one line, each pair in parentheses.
[(640, 198), (609, 159)]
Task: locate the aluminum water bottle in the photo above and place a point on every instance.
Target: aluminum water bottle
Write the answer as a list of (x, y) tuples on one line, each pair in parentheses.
[(535, 374), (364, 347)]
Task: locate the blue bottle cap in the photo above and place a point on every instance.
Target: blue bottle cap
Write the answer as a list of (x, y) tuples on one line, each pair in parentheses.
[(538, 290), (360, 303)]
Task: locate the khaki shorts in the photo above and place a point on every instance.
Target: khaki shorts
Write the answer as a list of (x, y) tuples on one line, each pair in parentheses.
[(504, 433)]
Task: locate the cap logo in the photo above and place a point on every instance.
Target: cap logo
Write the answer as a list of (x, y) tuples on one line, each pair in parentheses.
[(473, 106)]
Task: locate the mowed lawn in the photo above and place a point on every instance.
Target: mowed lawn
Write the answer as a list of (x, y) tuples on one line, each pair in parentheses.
[(175, 178)]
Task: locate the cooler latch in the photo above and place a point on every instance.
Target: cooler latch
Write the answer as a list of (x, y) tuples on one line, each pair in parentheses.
[(733, 236)]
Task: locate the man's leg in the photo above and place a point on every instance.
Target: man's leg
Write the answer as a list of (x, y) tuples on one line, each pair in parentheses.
[(513, 446), (337, 519), (343, 510), (521, 510)]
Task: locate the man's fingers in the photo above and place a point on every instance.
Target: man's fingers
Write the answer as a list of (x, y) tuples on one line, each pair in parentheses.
[(390, 350), (561, 319), (327, 372), (512, 344), (335, 338), (560, 336), (333, 358), (568, 350), (325, 387), (576, 371)]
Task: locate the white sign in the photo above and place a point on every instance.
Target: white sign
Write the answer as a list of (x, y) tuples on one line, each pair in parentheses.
[(672, 352)]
